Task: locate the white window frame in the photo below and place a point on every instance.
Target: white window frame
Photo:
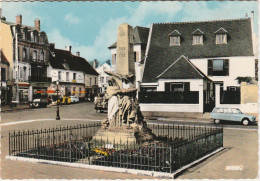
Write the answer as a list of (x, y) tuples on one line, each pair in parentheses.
[(197, 39), (67, 76), (42, 55), (221, 38), (59, 75), (24, 53), (175, 40), (34, 55)]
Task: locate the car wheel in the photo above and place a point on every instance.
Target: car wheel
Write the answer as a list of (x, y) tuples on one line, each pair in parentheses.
[(216, 121), (98, 111), (245, 122)]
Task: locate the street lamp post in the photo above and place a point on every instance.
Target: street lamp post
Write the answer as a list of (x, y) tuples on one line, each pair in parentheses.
[(57, 111)]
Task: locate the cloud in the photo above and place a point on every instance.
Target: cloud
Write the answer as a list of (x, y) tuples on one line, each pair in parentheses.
[(144, 14), (72, 19), (26, 9), (60, 41)]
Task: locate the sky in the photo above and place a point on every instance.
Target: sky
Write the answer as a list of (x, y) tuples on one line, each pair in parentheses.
[(91, 27)]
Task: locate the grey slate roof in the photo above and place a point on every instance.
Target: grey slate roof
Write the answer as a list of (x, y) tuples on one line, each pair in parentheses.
[(161, 55), (4, 59), (30, 28), (64, 59), (182, 68), (140, 36)]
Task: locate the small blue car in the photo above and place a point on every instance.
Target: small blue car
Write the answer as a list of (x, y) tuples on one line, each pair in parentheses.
[(231, 114)]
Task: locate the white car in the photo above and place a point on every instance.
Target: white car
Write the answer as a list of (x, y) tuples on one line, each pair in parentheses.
[(74, 99)]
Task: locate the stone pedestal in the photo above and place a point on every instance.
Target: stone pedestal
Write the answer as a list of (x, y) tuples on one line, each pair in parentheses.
[(115, 137)]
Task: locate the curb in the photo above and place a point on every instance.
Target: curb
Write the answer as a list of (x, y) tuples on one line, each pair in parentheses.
[(115, 169)]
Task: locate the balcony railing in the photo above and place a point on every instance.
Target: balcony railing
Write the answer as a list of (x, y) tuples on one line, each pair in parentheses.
[(39, 79)]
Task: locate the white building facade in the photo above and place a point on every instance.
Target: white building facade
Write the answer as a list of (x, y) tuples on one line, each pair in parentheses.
[(103, 77)]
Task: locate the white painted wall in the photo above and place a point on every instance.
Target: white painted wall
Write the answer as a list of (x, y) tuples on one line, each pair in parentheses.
[(54, 75), (195, 85), (113, 66), (137, 48), (238, 67), (101, 70), (170, 107)]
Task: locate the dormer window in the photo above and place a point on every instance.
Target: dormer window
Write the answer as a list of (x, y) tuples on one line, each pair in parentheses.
[(221, 36), (34, 37), (197, 37), (175, 38)]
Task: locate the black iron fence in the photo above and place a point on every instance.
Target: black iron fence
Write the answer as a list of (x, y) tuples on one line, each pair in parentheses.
[(190, 97), (176, 146)]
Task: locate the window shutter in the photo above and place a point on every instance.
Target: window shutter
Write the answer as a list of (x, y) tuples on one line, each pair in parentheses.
[(226, 66), (210, 67), (186, 86), (167, 87)]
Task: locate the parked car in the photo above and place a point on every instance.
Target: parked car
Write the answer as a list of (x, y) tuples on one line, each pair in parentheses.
[(231, 114), (36, 103), (74, 99), (101, 104)]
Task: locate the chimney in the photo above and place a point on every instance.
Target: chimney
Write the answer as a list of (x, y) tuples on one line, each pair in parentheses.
[(252, 14), (68, 48), (78, 54), (19, 19), (37, 24), (3, 18), (52, 46)]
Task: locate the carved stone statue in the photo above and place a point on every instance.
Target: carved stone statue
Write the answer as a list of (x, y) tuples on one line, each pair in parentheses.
[(124, 115)]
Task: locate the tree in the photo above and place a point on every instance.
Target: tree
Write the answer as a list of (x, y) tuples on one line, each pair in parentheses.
[(244, 79), (108, 62), (94, 63)]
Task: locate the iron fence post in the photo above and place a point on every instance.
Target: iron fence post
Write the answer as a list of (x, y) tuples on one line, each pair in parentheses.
[(70, 135), (9, 144), (170, 159)]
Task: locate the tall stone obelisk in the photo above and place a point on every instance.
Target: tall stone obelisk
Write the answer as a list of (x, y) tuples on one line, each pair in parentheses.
[(125, 52)]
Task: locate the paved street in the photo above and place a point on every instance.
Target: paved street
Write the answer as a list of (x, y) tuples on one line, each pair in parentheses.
[(241, 145)]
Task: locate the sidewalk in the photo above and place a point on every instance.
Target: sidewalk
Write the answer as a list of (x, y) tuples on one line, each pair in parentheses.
[(7, 108)]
